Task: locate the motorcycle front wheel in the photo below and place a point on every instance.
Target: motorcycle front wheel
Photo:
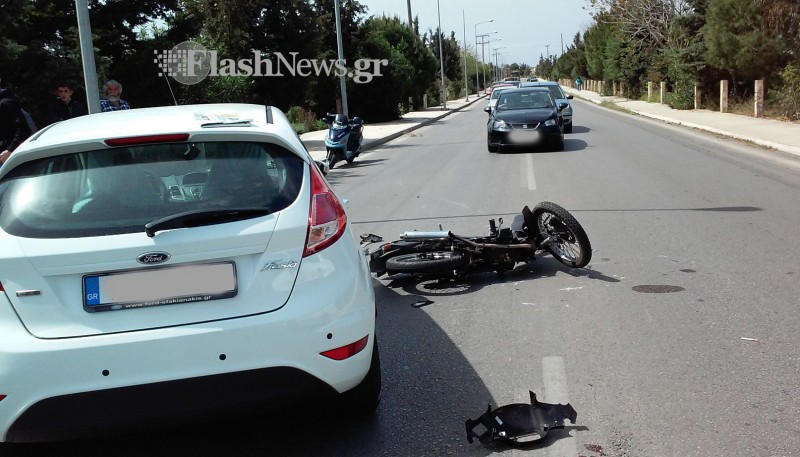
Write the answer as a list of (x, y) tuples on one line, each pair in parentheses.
[(570, 245), (426, 262), (332, 158)]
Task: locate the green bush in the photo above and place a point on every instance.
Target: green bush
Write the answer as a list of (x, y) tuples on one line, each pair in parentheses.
[(303, 120), (787, 98), (682, 95)]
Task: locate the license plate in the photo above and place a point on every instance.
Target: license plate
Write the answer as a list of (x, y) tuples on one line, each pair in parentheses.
[(524, 136), (159, 286)]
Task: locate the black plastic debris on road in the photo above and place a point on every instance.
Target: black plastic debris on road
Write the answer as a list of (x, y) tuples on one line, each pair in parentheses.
[(370, 238), (421, 303), (520, 422)]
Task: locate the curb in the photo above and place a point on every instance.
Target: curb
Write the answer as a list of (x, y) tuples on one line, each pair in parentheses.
[(769, 144), (380, 141)]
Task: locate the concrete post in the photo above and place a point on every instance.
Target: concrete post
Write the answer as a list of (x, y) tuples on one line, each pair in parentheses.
[(649, 90), (723, 96), (425, 101), (614, 88), (759, 98), (621, 88), (698, 94), (663, 96)]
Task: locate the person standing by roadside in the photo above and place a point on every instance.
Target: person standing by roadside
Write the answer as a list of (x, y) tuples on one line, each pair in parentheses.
[(64, 107), (14, 127), (112, 102), (578, 82)]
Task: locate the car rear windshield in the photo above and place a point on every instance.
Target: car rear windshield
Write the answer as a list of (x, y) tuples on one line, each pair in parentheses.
[(555, 91), (113, 191)]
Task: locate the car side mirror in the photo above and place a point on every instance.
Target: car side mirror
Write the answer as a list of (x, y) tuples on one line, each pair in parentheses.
[(562, 105), (488, 109), (570, 97)]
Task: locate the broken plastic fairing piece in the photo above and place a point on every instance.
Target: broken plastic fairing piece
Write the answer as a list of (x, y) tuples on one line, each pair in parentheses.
[(520, 422)]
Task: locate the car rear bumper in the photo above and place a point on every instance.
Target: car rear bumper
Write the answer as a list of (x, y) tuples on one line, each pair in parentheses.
[(56, 388), (127, 409)]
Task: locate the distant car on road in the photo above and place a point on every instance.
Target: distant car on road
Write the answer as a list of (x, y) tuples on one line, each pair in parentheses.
[(558, 94), (525, 117), (171, 263), (496, 90)]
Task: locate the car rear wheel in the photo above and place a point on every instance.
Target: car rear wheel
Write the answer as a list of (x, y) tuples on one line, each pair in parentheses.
[(568, 128), (492, 148)]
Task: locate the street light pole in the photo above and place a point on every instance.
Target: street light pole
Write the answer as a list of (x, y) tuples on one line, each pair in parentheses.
[(410, 20), (441, 56), (477, 83), (342, 80), (466, 81)]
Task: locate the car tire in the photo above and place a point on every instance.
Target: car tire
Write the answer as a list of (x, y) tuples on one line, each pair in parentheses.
[(492, 148), (568, 128), (558, 145), (363, 399)]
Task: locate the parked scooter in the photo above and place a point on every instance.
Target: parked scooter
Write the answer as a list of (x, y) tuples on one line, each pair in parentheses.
[(344, 138)]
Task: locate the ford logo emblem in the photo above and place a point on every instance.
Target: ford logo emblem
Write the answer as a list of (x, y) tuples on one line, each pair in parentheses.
[(153, 257)]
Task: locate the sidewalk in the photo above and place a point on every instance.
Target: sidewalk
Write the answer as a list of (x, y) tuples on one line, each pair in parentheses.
[(780, 135), (378, 134)]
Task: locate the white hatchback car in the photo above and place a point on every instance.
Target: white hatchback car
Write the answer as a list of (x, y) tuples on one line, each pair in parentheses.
[(165, 263)]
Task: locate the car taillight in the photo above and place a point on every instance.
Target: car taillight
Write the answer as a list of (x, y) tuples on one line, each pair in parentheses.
[(2, 397), (1, 287), (326, 218), (348, 351)]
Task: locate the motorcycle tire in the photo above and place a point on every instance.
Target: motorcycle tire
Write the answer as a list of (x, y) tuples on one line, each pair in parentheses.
[(426, 262), (350, 161), (572, 246)]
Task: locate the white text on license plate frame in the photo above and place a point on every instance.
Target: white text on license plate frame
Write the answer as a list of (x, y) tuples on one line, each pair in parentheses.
[(159, 286)]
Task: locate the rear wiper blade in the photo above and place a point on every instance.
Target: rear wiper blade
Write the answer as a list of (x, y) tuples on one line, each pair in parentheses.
[(246, 122), (202, 217)]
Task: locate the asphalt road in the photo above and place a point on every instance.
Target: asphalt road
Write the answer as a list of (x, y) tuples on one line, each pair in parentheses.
[(650, 374)]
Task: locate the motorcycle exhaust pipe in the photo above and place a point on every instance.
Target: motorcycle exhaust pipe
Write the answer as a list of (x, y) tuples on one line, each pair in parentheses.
[(425, 236)]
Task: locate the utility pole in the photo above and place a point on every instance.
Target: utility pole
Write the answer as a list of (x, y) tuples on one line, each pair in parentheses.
[(410, 18), (87, 57), (548, 51), (562, 43), (483, 59)]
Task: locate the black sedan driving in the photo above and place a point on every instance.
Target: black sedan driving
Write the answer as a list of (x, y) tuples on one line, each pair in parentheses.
[(526, 117)]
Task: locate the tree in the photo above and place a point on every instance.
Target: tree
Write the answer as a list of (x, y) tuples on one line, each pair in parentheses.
[(412, 68), (736, 41)]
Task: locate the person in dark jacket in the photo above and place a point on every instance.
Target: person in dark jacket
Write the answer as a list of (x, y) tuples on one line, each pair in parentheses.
[(13, 127), (64, 107)]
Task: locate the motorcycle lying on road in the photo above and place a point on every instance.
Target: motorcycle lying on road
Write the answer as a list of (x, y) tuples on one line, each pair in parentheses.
[(548, 227), (344, 138)]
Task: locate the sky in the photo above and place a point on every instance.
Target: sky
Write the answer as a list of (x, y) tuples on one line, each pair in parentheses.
[(524, 27)]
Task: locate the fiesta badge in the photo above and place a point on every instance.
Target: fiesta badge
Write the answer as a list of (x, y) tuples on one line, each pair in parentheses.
[(151, 258)]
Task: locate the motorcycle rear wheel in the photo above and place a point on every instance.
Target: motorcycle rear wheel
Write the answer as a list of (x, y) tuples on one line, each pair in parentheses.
[(571, 246), (426, 262)]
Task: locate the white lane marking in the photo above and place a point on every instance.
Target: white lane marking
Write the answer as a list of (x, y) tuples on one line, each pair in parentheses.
[(555, 391), (530, 178), (573, 288)]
